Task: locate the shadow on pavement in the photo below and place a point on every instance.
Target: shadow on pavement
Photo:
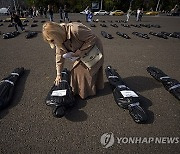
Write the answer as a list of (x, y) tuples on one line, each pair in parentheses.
[(141, 83), (76, 114), (138, 83), (106, 91), (18, 93), (145, 104)]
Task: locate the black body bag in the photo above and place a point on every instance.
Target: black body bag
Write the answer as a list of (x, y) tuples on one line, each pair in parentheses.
[(61, 97), (31, 35), (171, 85), (7, 87), (124, 96), (10, 35), (106, 35)]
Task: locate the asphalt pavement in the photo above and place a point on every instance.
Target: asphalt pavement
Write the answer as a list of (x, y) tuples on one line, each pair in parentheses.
[(28, 127)]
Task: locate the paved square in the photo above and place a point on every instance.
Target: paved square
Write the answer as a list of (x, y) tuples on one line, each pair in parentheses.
[(27, 126)]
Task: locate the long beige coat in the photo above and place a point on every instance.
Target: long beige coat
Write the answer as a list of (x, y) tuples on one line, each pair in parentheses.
[(80, 38)]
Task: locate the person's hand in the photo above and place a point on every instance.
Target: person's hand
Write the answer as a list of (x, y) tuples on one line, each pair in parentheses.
[(57, 80)]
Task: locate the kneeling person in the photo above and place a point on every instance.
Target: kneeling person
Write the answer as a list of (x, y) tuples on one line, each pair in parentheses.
[(75, 41)]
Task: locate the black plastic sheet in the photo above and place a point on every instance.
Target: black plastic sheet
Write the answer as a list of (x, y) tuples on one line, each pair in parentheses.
[(106, 35), (125, 25), (161, 35), (61, 97), (125, 97), (114, 25), (123, 35), (143, 35), (31, 34), (10, 35), (170, 84), (103, 25), (7, 87)]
